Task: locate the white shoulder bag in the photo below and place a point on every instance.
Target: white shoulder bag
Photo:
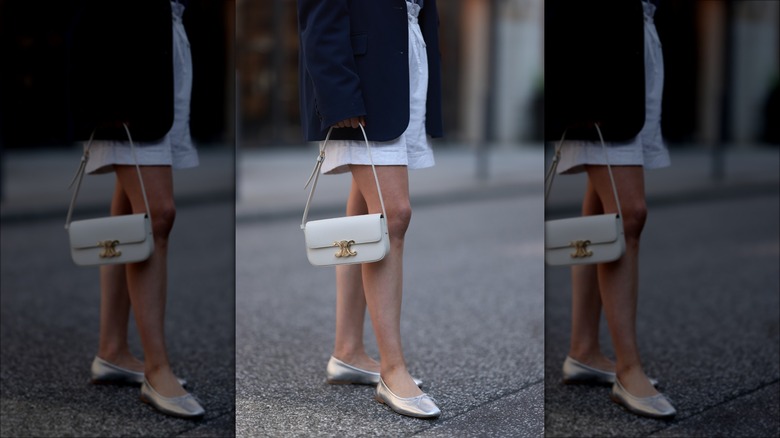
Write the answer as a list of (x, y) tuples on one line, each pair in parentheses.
[(345, 240), (113, 239), (586, 239)]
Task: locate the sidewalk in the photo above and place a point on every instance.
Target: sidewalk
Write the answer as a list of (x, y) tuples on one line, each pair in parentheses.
[(748, 170), (271, 182), (706, 325), (268, 183), (35, 182)]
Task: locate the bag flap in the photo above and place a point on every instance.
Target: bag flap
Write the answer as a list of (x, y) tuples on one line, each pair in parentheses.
[(87, 233), (599, 229), (323, 233)]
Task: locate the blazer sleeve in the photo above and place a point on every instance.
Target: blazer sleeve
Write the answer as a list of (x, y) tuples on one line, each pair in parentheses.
[(328, 59)]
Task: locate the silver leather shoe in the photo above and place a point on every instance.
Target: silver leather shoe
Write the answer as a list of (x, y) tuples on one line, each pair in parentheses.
[(657, 406), (421, 406), (185, 406), (575, 371), (104, 372), (341, 373)]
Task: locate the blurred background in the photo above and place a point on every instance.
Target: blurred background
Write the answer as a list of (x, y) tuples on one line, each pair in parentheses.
[(722, 77), (34, 106), (35, 37), (491, 63), (722, 83), (721, 70)]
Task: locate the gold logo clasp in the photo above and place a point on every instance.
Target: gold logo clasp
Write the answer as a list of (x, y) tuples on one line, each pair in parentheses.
[(344, 248), (580, 249), (109, 249)]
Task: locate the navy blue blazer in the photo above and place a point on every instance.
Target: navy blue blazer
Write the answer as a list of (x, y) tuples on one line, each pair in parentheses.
[(354, 62)]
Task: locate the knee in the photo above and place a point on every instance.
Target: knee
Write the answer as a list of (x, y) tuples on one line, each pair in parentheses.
[(398, 220), (163, 217), (634, 218)]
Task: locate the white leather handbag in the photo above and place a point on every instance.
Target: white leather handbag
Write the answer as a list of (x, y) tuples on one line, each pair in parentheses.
[(113, 239), (345, 240), (586, 239)]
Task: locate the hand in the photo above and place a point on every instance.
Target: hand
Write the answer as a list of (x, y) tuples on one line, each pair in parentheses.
[(352, 122)]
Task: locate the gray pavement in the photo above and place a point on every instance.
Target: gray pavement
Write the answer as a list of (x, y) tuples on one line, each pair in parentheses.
[(268, 183), (748, 171), (284, 307), (469, 323), (268, 211), (708, 326), (49, 312), (35, 183), (708, 314), (472, 324), (271, 182)]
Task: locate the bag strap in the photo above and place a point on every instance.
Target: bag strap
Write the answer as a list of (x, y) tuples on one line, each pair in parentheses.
[(79, 176), (315, 175), (548, 179)]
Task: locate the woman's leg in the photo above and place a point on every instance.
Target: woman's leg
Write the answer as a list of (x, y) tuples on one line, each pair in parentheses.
[(351, 302), (115, 302), (618, 280), (147, 280), (383, 280), (586, 303)]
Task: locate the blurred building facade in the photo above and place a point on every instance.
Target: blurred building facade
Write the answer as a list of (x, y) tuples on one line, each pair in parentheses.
[(491, 70), (721, 70), (33, 78), (722, 74)]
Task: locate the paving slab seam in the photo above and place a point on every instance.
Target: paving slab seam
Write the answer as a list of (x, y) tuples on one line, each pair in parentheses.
[(716, 406), (480, 406), (687, 197), (419, 201), (87, 210)]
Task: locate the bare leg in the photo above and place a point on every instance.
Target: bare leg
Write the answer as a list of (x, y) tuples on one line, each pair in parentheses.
[(618, 280), (586, 303), (115, 303), (147, 280), (383, 280), (351, 302)]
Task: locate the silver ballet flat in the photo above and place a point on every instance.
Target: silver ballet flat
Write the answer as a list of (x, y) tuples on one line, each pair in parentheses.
[(575, 371), (421, 406), (185, 406), (656, 406), (104, 372), (341, 373)]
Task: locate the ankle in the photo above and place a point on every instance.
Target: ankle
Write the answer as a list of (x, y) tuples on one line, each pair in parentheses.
[(586, 356), (629, 371), (345, 355), (119, 357), (164, 382), (350, 355), (393, 370), (153, 370), (636, 382), (400, 382)]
